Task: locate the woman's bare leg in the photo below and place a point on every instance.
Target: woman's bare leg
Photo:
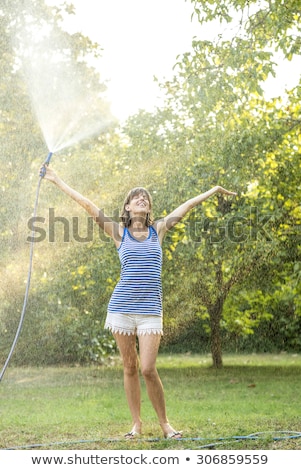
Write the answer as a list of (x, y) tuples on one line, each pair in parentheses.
[(148, 350), (127, 347)]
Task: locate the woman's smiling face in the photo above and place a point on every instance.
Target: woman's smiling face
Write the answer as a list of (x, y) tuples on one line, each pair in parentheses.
[(139, 202)]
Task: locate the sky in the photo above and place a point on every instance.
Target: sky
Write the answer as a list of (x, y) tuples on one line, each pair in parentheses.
[(141, 39)]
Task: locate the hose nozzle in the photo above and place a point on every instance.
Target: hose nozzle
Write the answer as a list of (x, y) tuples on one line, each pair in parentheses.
[(47, 161)]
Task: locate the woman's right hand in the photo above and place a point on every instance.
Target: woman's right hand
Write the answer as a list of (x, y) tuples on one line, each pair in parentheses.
[(47, 173)]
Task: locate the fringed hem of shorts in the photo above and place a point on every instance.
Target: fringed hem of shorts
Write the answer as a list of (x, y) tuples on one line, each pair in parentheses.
[(122, 331), (153, 331)]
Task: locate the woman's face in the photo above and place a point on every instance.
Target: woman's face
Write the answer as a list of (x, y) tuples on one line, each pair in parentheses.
[(139, 204)]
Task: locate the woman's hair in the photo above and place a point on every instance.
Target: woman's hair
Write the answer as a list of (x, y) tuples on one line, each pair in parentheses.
[(125, 215)]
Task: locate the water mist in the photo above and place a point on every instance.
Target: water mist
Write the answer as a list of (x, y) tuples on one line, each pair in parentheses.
[(66, 95)]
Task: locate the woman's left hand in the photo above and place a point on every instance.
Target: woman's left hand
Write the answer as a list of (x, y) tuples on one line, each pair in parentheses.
[(221, 190)]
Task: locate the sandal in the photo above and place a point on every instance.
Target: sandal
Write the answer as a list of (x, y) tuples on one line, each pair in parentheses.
[(132, 434), (174, 435)]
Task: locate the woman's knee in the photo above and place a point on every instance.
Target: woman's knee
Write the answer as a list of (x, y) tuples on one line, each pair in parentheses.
[(130, 368), (149, 372)]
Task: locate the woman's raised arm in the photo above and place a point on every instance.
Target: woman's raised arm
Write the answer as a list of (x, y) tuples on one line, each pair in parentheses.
[(109, 226), (170, 220)]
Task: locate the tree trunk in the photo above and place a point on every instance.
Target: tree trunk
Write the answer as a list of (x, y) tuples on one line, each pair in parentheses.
[(215, 313)]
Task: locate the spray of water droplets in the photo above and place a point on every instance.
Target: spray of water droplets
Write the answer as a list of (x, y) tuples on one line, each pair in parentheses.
[(67, 95)]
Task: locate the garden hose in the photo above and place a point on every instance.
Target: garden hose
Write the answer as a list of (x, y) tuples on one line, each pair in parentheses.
[(281, 435), (42, 174)]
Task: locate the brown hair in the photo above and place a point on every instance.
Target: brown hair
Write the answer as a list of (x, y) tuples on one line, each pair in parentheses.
[(125, 215)]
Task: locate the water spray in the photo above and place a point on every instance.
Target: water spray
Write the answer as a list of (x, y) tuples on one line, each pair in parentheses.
[(42, 174), (69, 104)]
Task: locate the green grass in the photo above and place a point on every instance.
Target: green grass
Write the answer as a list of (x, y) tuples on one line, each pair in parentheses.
[(85, 407)]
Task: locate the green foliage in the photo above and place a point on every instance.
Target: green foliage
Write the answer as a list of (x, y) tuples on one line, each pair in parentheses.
[(231, 267), (266, 23), (239, 140), (54, 329)]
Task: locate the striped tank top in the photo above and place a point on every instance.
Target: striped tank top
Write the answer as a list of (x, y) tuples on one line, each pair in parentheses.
[(139, 290)]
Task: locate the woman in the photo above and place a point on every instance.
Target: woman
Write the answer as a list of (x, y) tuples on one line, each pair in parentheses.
[(135, 308)]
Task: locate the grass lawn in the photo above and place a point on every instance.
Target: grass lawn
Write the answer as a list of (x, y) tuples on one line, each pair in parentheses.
[(85, 407)]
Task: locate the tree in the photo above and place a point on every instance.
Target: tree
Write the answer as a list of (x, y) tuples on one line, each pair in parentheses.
[(216, 127), (238, 139), (32, 35), (40, 62)]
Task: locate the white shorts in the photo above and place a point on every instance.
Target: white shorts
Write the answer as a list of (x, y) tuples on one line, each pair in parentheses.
[(131, 324)]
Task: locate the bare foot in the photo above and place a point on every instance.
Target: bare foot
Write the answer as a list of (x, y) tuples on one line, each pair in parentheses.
[(169, 432)]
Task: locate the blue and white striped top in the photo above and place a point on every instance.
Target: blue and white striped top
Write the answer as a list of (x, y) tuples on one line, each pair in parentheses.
[(139, 290)]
